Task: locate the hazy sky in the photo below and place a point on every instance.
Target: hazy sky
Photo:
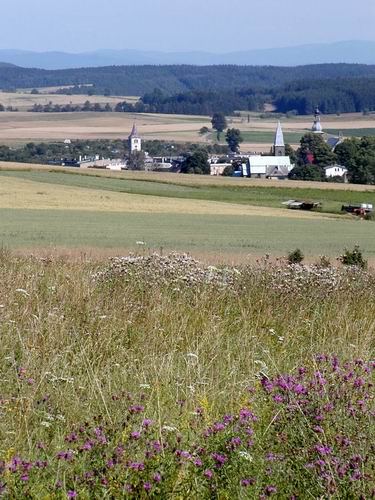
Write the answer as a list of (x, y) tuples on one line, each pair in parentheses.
[(170, 25)]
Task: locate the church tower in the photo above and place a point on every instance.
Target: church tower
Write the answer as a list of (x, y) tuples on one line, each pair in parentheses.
[(317, 126), (279, 145), (134, 140)]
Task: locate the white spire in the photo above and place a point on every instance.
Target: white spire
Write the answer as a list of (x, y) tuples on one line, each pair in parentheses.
[(279, 136)]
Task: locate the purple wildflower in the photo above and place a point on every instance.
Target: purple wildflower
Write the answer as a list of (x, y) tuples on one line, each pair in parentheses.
[(157, 477), (147, 486), (219, 459), (269, 490), (208, 473), (137, 466), (247, 482), (136, 409), (323, 450), (218, 426)]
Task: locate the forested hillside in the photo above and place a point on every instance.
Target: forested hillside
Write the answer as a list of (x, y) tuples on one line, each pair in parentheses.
[(204, 89), (338, 95), (137, 80)]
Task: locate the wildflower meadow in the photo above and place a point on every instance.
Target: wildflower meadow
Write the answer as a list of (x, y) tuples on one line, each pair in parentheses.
[(154, 376)]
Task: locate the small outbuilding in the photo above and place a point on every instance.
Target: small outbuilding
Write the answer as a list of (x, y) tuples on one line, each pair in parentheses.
[(336, 171)]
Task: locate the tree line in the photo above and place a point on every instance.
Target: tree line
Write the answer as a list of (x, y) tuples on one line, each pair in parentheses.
[(44, 153)]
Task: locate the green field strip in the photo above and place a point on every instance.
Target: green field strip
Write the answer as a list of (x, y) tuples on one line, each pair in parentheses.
[(219, 234)]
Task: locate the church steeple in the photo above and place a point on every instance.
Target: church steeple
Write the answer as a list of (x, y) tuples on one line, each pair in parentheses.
[(317, 126), (135, 141), (279, 145)]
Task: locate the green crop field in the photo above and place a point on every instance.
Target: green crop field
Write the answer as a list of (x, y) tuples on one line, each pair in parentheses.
[(194, 233), (45, 209), (267, 137), (353, 132)]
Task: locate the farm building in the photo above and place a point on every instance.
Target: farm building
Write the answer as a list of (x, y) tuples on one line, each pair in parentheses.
[(268, 167), (336, 171)]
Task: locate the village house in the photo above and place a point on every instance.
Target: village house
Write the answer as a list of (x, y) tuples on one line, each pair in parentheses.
[(336, 171)]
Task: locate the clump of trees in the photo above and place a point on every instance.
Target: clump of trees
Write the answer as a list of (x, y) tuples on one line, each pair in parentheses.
[(311, 157), (196, 163), (219, 123), (357, 155), (234, 139)]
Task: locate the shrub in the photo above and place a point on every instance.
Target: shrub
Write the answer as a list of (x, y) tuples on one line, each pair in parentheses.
[(295, 257), (353, 258), (324, 261)]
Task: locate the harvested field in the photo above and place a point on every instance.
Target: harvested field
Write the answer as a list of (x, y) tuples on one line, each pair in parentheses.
[(25, 100), (18, 128), (24, 194)]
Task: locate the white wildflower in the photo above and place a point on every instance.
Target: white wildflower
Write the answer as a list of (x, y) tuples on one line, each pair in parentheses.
[(144, 386), (140, 243), (245, 455), (169, 428)]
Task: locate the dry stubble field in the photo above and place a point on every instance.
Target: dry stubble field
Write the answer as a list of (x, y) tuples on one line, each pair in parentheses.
[(18, 128)]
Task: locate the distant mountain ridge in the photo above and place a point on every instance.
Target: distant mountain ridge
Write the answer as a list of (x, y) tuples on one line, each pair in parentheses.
[(360, 52)]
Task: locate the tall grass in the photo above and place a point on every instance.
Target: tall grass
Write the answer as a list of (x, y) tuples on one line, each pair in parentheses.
[(104, 353)]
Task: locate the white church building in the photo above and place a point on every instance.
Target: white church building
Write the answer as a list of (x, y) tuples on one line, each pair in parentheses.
[(276, 166)]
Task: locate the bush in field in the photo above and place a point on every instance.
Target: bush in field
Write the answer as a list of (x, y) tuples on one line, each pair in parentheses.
[(295, 257), (353, 258), (324, 261)]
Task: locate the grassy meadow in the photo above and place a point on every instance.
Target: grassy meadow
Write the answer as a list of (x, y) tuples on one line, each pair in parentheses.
[(158, 376), (161, 378)]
